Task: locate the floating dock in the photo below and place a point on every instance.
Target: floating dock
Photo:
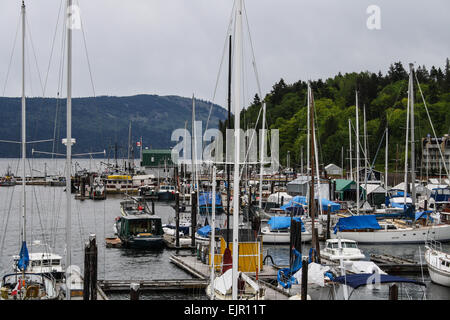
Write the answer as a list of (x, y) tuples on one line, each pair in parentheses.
[(397, 265), (196, 268)]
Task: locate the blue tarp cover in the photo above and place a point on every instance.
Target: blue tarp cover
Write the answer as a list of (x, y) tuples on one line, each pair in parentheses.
[(423, 214), (276, 223), (298, 201), (205, 231), (205, 199), (357, 222), (362, 279)]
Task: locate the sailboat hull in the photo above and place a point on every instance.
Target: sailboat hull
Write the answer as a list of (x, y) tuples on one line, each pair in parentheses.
[(408, 235)]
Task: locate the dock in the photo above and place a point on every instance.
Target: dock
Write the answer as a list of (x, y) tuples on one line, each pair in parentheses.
[(398, 265), (196, 268), (153, 285)]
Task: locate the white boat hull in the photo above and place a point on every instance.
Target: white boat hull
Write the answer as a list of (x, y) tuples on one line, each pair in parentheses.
[(282, 237), (438, 273), (407, 235)]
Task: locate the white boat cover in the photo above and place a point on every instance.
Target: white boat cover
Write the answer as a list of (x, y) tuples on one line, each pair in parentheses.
[(316, 274), (224, 283), (362, 267)]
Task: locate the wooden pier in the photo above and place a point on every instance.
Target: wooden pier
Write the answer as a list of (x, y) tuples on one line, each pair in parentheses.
[(196, 268), (153, 285), (397, 265)]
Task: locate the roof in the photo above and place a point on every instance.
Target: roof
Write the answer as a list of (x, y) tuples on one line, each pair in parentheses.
[(373, 188), (343, 184), (332, 166), (342, 240), (157, 151), (140, 216)]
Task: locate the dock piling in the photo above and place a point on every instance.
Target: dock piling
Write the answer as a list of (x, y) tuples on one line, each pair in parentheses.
[(134, 291), (304, 286)]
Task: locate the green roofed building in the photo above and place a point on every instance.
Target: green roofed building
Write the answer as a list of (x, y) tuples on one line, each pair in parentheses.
[(156, 158), (346, 190)]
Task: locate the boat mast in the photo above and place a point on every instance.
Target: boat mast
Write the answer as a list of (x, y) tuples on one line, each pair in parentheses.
[(350, 144), (406, 143), (213, 231), (263, 144), (23, 127), (413, 149), (365, 153), (229, 127), (69, 149), (311, 202), (237, 110), (386, 163), (308, 136), (357, 156)]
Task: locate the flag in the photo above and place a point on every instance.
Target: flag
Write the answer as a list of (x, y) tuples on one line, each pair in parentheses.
[(24, 258)]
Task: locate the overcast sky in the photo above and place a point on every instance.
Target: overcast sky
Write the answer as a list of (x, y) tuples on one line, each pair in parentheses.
[(174, 47)]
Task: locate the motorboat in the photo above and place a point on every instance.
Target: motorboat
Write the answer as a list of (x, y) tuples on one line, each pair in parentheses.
[(347, 250)]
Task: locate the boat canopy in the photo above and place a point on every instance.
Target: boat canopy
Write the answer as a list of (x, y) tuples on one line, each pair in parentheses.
[(357, 222), (299, 201), (357, 280), (278, 222)]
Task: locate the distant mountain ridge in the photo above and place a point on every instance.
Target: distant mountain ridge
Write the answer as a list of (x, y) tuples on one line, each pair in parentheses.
[(98, 123)]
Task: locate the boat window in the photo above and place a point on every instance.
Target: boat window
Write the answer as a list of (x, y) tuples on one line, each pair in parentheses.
[(391, 227), (335, 245), (55, 262), (349, 245), (36, 263), (46, 262)]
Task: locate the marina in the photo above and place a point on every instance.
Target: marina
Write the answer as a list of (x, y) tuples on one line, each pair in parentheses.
[(122, 203)]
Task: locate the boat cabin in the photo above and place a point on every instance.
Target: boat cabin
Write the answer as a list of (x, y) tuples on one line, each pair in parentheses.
[(140, 225)]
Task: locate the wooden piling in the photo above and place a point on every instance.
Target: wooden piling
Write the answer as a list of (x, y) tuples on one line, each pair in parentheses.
[(93, 266), (327, 236), (393, 292), (153, 206), (304, 286), (134, 291), (193, 217), (87, 273), (317, 244), (177, 219), (90, 269)]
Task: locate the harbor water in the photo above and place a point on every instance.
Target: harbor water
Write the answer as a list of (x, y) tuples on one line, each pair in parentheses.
[(46, 213)]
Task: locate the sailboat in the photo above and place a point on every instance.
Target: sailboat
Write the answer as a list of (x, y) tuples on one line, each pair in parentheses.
[(235, 284), (23, 284)]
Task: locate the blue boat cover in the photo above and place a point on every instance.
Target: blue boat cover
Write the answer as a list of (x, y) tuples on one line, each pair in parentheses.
[(298, 201), (423, 214), (362, 279), (205, 231), (205, 199), (276, 222), (357, 222), (22, 264)]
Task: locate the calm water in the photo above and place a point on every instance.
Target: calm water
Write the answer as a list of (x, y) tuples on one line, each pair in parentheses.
[(46, 221)]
